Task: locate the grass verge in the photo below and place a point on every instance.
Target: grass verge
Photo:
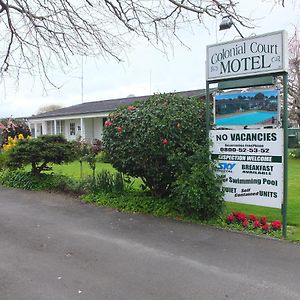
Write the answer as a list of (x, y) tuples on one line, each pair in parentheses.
[(137, 202)]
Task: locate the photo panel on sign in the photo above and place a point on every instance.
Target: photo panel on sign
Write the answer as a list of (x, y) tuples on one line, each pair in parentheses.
[(247, 109)]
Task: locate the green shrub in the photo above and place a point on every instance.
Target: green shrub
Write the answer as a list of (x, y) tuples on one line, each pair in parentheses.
[(135, 202), (198, 190), (102, 157), (141, 139), (41, 151), (106, 182), (119, 182), (25, 180), (4, 160), (85, 184)]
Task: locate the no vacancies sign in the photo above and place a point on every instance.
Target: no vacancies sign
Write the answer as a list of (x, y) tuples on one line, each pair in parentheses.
[(251, 165), (252, 56)]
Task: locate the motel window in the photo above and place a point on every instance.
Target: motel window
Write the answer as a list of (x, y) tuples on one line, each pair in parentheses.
[(60, 126), (72, 128), (50, 127)]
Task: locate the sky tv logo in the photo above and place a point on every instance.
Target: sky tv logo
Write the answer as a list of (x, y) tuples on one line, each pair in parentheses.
[(226, 167)]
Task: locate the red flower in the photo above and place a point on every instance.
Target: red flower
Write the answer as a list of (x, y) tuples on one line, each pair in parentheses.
[(245, 223), (107, 123), (256, 224), (276, 225), (263, 220), (265, 228), (230, 219), (252, 218), (241, 217), (131, 108), (252, 222), (120, 129), (165, 141)]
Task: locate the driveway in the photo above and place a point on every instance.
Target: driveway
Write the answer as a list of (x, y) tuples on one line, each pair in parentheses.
[(54, 247)]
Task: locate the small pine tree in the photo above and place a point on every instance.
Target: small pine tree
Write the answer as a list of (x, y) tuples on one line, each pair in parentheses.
[(40, 152)]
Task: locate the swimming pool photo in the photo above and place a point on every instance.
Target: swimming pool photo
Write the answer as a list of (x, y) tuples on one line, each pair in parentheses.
[(250, 118)]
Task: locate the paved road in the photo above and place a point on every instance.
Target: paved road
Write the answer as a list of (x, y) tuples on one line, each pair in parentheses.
[(54, 247)]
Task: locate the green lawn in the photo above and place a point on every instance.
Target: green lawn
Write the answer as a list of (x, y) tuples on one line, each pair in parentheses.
[(73, 170)]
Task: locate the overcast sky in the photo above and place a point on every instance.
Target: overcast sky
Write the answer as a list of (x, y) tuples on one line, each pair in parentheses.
[(145, 70)]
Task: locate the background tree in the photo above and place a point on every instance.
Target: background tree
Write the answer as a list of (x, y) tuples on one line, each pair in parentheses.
[(40, 152), (294, 77), (36, 34), (47, 108)]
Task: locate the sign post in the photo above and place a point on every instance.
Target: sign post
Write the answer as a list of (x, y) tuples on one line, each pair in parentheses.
[(252, 161), (286, 154)]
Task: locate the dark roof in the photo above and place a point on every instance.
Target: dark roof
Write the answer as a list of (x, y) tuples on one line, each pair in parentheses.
[(104, 105)]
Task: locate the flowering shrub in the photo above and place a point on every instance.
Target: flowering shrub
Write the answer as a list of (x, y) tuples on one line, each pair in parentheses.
[(11, 142), (163, 141), (252, 222), (11, 129), (142, 139)]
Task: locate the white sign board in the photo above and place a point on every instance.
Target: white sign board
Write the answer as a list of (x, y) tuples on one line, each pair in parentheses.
[(251, 164), (263, 54)]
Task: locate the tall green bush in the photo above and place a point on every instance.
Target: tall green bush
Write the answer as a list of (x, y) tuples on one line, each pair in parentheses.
[(198, 190), (150, 138)]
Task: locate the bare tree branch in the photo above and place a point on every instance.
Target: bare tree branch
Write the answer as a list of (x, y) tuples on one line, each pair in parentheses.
[(36, 34)]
